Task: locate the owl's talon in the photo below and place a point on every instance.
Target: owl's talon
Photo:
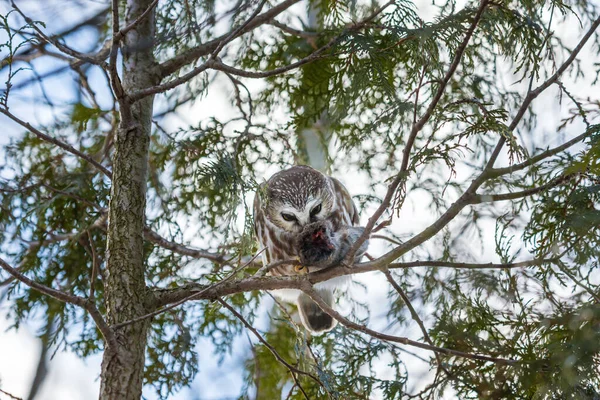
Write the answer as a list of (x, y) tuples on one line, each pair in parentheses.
[(301, 269)]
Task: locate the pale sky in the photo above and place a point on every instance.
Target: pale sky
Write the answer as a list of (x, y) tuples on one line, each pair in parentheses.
[(73, 378)]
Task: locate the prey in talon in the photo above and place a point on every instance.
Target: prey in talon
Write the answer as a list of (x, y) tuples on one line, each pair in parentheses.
[(319, 246)]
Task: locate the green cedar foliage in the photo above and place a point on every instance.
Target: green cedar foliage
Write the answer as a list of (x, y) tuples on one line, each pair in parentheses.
[(373, 80)]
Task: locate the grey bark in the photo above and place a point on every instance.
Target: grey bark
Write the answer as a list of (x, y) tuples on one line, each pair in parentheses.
[(126, 294)]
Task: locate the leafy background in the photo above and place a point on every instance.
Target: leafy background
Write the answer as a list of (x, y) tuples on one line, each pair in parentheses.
[(208, 157)]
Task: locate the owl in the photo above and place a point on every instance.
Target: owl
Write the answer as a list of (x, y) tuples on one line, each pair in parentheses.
[(302, 214)]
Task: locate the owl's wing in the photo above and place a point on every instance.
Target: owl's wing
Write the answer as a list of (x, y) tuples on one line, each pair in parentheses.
[(260, 225), (345, 203)]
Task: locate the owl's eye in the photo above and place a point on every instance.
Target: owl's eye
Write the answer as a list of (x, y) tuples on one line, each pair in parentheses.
[(288, 217), (315, 210)]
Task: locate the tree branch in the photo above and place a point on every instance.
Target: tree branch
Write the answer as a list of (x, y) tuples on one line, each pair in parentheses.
[(308, 289), (193, 296), (120, 33), (220, 289), (107, 333), (149, 235), (115, 80), (56, 294), (533, 94), (461, 265), (169, 85), (486, 198), (66, 298), (216, 64), (169, 67), (539, 157), (158, 240), (57, 142), (220, 66), (63, 48), (410, 307), (488, 171), (402, 174)]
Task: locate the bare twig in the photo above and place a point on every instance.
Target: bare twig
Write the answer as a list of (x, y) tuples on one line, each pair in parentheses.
[(308, 289), (67, 298), (415, 317), (386, 238), (65, 49), (279, 358), (32, 55), (57, 142), (486, 198), (160, 241), (172, 65), (292, 31), (38, 49), (99, 223), (10, 395)]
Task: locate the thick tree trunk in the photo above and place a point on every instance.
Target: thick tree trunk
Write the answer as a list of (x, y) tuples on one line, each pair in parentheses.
[(126, 293)]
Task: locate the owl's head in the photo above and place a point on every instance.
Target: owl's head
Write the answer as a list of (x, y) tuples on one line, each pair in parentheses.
[(298, 196)]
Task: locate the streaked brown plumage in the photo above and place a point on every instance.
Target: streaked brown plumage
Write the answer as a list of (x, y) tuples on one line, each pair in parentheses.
[(289, 201)]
